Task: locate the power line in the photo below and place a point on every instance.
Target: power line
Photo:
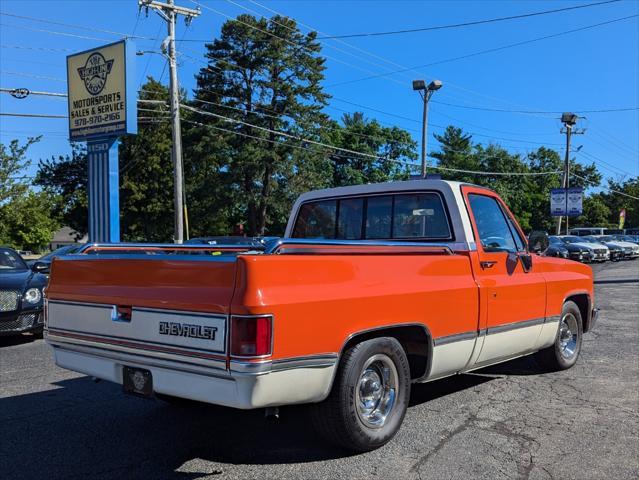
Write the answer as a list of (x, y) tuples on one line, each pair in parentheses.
[(43, 49), (26, 92), (605, 188), (466, 24), (52, 32), (31, 115), (483, 52), (81, 27), (31, 75), (555, 112)]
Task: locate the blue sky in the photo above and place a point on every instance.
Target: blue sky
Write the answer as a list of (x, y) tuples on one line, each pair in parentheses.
[(593, 69)]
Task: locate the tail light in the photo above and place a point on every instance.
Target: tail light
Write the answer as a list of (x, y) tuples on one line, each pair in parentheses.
[(251, 336)]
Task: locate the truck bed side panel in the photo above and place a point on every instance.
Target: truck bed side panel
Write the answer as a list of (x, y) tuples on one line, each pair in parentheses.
[(318, 301)]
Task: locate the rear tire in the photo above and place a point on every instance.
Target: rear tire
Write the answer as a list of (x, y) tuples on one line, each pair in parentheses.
[(563, 353), (369, 398)]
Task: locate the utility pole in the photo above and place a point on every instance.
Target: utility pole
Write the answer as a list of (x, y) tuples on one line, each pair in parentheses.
[(569, 120), (169, 12), (425, 91)]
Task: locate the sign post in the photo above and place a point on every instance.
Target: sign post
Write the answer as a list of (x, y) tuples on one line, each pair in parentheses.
[(102, 106)]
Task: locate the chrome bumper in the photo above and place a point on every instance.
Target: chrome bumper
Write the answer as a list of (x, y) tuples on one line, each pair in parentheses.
[(244, 385)]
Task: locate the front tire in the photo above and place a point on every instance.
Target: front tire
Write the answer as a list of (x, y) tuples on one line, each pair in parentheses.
[(369, 398), (563, 354)]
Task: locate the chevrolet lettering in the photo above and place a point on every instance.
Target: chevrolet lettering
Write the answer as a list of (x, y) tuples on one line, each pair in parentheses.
[(372, 288), (186, 330)]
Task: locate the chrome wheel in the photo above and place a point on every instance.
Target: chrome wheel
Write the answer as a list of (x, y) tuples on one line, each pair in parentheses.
[(568, 331), (376, 390)]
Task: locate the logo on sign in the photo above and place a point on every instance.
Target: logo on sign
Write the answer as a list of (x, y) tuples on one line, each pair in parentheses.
[(95, 72)]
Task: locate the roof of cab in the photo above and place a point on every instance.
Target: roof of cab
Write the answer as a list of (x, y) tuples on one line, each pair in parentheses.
[(388, 187)]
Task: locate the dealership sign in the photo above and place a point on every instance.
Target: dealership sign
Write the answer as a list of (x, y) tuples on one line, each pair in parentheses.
[(566, 202), (101, 92)]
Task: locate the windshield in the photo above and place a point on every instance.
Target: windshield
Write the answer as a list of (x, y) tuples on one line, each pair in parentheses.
[(590, 239), (10, 260), (572, 239), (607, 238)]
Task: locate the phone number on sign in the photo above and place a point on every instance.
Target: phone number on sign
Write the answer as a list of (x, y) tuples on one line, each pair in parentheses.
[(96, 119)]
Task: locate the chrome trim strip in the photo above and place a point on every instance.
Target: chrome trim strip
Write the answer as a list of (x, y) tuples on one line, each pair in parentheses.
[(219, 367), (134, 348), (448, 246), (267, 366), (170, 246), (457, 337), (149, 343), (553, 318), (515, 325)]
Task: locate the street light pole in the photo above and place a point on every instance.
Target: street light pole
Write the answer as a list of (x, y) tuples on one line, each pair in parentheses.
[(425, 91), (569, 120)]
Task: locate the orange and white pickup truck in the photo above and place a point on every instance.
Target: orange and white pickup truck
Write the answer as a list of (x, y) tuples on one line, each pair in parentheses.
[(372, 288)]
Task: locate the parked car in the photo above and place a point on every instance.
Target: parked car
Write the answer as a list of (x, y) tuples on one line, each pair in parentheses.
[(20, 294), (631, 250), (372, 288), (627, 238), (594, 253), (616, 251), (557, 249), (576, 251)]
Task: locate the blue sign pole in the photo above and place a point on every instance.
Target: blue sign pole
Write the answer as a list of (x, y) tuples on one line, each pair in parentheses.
[(104, 197)]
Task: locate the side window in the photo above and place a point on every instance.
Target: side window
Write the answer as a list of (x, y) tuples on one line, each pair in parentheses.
[(419, 215), (316, 220), (493, 230), (379, 211), (520, 244), (350, 217)]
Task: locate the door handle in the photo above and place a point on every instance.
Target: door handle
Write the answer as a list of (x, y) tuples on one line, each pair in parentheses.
[(487, 264)]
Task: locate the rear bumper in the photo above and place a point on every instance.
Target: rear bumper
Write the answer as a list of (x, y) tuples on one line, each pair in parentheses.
[(243, 385)]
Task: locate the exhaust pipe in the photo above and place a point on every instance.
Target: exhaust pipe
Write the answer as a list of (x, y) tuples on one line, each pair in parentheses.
[(272, 413)]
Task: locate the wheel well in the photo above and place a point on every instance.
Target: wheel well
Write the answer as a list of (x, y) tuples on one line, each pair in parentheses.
[(415, 339), (582, 301)]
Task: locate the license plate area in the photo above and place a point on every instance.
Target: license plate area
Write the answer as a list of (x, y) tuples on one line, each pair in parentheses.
[(137, 381)]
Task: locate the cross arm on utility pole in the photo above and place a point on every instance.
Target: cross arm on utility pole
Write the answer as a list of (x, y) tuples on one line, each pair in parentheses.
[(187, 12)]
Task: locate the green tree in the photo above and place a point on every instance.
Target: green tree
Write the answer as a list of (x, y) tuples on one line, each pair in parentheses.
[(146, 171), (31, 222), (623, 200), (13, 163), (27, 220), (384, 151), (263, 77), (65, 180), (595, 212)]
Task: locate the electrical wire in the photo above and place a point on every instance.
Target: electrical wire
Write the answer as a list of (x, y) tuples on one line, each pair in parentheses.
[(52, 32), (31, 75), (605, 188), (81, 27), (483, 52), (467, 24), (555, 112)]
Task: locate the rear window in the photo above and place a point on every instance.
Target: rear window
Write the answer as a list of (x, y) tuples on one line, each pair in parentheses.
[(402, 217)]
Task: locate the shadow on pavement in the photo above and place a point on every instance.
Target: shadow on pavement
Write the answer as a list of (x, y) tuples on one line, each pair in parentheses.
[(19, 339), (82, 429)]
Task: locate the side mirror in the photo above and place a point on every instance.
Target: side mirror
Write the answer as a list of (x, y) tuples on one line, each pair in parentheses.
[(41, 267), (538, 241), (526, 261)]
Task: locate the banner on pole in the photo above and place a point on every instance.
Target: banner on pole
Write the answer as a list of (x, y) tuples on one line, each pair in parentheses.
[(566, 202), (101, 92), (622, 218)]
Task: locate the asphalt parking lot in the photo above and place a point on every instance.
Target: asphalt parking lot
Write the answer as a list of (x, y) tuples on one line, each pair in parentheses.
[(508, 421)]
